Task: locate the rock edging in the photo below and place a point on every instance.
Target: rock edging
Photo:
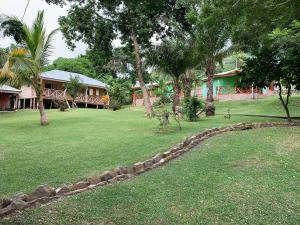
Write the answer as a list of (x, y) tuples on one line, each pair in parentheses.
[(45, 194)]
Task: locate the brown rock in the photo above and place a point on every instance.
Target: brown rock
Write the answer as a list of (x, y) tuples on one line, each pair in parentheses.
[(157, 158), (95, 180), (7, 210), (80, 185), (166, 154), (62, 190), (139, 167), (117, 171), (107, 175), (148, 163), (4, 202), (124, 170), (130, 170), (43, 191)]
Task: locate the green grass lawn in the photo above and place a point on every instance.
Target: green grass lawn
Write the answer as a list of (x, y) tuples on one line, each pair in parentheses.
[(247, 177), (83, 142)]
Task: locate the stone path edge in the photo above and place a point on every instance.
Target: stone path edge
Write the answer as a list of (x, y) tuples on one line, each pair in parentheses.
[(45, 194)]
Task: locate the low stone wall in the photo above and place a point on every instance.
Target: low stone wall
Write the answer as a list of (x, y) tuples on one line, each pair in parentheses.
[(45, 194)]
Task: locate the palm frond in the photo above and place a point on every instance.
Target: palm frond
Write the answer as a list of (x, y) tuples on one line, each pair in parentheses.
[(47, 47)]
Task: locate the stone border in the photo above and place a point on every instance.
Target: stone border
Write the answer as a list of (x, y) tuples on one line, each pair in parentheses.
[(45, 194)]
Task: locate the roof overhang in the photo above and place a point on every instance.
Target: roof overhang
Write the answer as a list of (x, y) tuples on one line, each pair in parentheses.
[(66, 81)]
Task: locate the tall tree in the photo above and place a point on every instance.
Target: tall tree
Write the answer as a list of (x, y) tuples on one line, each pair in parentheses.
[(74, 87), (277, 61), (174, 57), (211, 33), (34, 55), (253, 20), (135, 22)]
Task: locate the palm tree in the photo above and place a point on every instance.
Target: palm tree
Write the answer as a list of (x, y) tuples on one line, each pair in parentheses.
[(31, 56), (74, 87), (211, 35), (173, 57)]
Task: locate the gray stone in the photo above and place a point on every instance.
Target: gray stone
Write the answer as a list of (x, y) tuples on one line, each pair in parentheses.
[(157, 158), (166, 154), (23, 197), (148, 163), (4, 202), (43, 191), (7, 210), (18, 204), (62, 190)]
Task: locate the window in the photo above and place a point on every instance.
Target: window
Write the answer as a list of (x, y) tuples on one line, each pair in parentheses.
[(91, 91), (97, 92)]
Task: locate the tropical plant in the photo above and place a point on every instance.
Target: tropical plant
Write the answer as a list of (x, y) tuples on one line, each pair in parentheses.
[(211, 34), (191, 107), (119, 92), (74, 87), (34, 53), (277, 62), (163, 94), (173, 57)]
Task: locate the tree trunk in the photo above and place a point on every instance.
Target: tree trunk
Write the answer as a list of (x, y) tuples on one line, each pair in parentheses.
[(146, 96), (43, 116), (176, 98), (210, 107), (285, 104), (187, 80)]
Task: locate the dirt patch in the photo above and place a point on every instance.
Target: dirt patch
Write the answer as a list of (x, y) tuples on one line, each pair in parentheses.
[(287, 147)]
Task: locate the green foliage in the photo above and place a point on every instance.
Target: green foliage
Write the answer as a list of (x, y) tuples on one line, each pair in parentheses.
[(115, 105), (277, 61), (12, 27), (74, 87), (164, 94), (252, 21), (191, 107), (80, 64), (119, 92)]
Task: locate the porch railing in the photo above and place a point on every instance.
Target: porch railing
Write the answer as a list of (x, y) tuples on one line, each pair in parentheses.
[(82, 98)]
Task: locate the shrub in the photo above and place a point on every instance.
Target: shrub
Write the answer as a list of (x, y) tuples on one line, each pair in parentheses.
[(115, 105), (190, 107), (62, 105)]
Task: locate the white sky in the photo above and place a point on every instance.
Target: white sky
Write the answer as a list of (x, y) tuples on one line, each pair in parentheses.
[(52, 13)]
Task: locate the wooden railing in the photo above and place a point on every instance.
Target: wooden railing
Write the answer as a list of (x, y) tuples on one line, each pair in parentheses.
[(54, 94), (82, 98)]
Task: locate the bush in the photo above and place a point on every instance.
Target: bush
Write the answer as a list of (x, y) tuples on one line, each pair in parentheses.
[(115, 105), (162, 101), (62, 105), (190, 107)]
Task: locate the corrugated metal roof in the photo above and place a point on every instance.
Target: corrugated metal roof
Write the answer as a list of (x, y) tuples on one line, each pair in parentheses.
[(8, 89), (59, 75)]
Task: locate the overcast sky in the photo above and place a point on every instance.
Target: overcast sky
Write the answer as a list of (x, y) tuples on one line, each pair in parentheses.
[(52, 13)]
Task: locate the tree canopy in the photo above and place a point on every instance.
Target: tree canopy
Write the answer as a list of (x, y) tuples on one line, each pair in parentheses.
[(80, 64)]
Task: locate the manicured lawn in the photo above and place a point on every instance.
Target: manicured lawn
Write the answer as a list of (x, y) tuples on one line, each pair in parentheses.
[(80, 143), (248, 177)]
